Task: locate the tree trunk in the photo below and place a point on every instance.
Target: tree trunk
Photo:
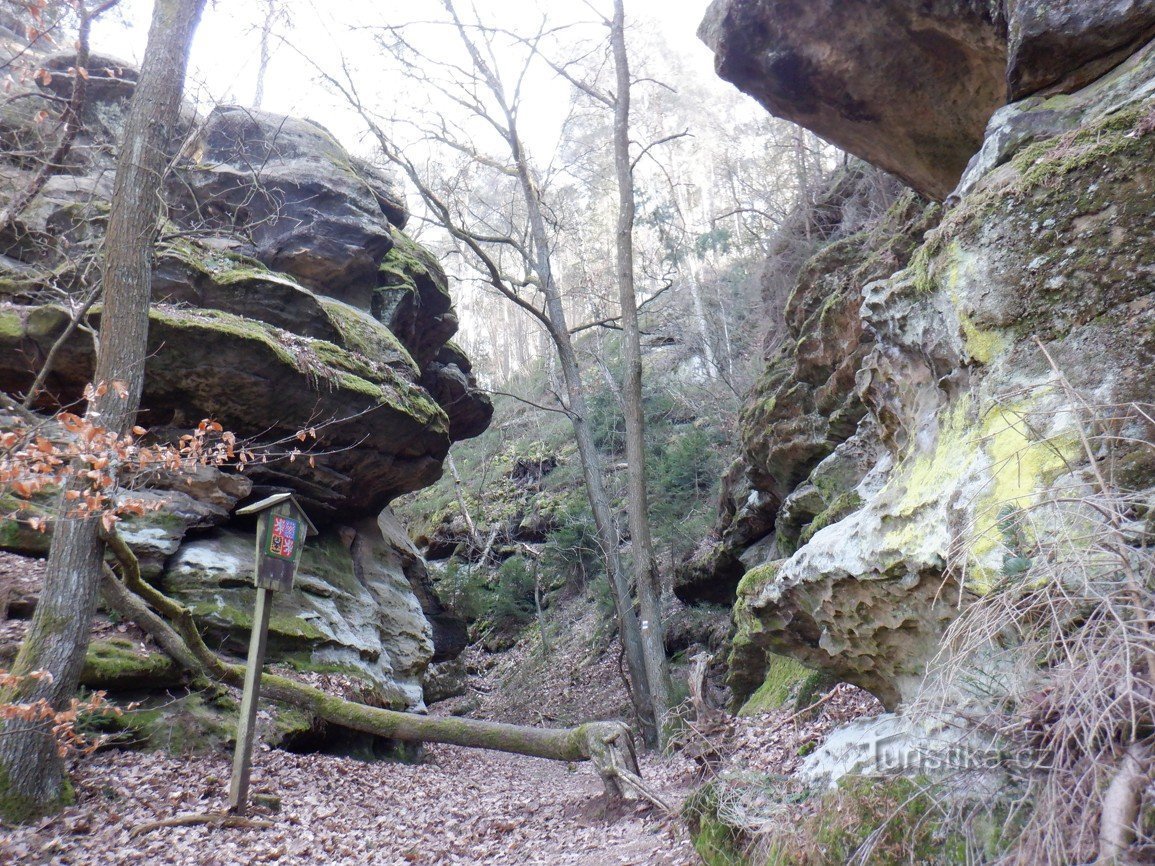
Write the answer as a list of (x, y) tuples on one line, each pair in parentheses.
[(30, 770), (1121, 805), (645, 569), (607, 744), (474, 538), (628, 625), (263, 61)]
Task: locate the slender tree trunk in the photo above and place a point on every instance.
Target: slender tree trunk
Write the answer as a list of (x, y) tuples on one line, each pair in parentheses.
[(474, 538), (802, 174), (555, 318), (645, 569), (263, 61), (711, 361), (591, 462), (30, 770)]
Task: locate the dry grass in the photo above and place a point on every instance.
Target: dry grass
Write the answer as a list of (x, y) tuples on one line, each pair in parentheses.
[(1057, 662)]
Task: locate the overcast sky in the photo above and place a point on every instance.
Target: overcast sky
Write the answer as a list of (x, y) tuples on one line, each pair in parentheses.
[(225, 55)]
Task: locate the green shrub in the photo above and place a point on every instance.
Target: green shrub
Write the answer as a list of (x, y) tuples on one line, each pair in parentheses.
[(466, 590), (513, 602), (573, 551)]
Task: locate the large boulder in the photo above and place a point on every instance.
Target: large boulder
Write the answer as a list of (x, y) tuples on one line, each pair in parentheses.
[(904, 84), (288, 305), (286, 297), (1068, 43), (910, 85), (351, 609), (296, 195)]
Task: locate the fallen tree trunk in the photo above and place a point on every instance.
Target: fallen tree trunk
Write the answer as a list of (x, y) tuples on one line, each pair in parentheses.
[(609, 745)]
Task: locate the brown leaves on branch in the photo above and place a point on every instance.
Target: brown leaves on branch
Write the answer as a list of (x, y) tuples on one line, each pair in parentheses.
[(64, 731), (94, 465)]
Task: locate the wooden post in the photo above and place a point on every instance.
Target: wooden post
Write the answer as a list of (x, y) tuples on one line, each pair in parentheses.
[(246, 729), (281, 529)]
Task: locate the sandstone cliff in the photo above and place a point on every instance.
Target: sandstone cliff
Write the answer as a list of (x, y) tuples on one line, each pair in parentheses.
[(913, 405)]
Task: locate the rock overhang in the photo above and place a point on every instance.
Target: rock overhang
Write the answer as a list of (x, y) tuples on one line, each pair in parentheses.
[(908, 85)]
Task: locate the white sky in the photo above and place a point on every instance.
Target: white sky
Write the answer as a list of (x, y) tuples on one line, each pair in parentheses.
[(225, 57)]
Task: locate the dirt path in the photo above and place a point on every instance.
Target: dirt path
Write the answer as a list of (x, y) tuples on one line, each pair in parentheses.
[(460, 807)]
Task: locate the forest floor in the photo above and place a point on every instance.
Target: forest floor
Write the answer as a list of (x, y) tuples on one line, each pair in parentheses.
[(456, 806)]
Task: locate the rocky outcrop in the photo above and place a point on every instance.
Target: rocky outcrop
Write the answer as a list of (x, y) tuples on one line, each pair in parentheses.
[(352, 608), (1041, 265), (1065, 44), (906, 85), (289, 306), (909, 86), (807, 395), (285, 299)]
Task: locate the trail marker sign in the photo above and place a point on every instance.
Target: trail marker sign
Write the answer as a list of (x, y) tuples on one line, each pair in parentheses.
[(281, 529)]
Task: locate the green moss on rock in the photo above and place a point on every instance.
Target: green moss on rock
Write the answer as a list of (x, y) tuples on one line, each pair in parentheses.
[(285, 627), (364, 335), (11, 325), (199, 722), (1048, 162), (783, 678), (844, 504), (408, 262), (119, 663)]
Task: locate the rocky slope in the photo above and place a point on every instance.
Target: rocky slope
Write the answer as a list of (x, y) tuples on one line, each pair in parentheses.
[(917, 402), (286, 297)]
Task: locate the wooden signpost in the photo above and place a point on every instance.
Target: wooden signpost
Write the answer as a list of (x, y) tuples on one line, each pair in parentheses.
[(281, 530)]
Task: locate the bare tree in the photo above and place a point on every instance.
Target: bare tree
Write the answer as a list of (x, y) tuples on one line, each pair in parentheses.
[(516, 262), (274, 14), (30, 770), (70, 118), (646, 578)]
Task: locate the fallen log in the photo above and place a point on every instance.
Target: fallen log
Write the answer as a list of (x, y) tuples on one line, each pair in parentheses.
[(608, 745)]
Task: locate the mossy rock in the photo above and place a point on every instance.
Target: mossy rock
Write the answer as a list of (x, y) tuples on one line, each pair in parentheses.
[(717, 842), (784, 676), (843, 505), (11, 324), (190, 723), (872, 820), (118, 664)]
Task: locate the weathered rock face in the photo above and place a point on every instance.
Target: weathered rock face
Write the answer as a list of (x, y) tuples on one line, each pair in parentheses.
[(908, 85), (296, 194), (1076, 40), (286, 298), (352, 607), (807, 394), (300, 305), (1042, 266)]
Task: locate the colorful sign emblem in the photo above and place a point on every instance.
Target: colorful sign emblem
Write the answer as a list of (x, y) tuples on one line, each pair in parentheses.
[(283, 537)]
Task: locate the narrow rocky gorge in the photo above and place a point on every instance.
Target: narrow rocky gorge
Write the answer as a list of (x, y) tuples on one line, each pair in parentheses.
[(957, 379)]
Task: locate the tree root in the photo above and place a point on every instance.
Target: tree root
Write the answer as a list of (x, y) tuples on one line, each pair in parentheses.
[(608, 745), (217, 819)]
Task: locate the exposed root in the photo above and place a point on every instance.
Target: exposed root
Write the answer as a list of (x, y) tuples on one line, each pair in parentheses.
[(216, 819)]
